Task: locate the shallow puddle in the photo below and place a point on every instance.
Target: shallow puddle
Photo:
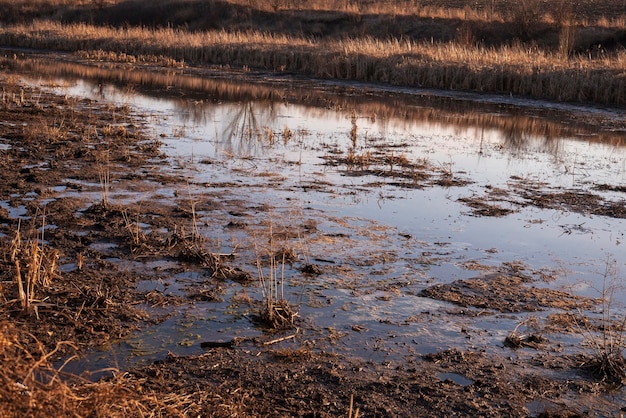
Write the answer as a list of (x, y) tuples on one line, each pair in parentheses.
[(396, 196)]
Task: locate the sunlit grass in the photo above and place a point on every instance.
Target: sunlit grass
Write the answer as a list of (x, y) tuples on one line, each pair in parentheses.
[(515, 69)]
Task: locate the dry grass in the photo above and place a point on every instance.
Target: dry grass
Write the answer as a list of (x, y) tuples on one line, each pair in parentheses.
[(607, 362), (31, 386), (516, 69), (35, 268), (276, 311)]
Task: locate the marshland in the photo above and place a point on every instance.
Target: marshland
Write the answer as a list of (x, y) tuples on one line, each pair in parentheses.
[(327, 208)]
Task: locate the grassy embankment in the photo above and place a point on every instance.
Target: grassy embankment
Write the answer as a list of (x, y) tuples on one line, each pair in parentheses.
[(523, 53)]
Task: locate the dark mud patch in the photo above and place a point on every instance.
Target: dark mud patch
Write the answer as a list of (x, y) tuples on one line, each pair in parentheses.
[(239, 381), (481, 208), (300, 383), (397, 168), (574, 201), (522, 194), (503, 292)]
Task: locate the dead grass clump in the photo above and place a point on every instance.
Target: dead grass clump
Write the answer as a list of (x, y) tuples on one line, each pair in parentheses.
[(193, 250), (515, 340), (278, 314), (35, 268), (358, 160), (607, 344), (31, 386), (44, 133), (608, 366)]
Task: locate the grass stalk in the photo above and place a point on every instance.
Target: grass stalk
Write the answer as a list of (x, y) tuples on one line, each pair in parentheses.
[(104, 175)]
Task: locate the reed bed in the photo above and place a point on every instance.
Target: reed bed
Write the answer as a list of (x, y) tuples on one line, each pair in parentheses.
[(477, 10), (511, 69)]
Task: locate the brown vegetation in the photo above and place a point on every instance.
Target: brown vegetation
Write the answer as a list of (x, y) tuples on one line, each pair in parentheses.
[(527, 51)]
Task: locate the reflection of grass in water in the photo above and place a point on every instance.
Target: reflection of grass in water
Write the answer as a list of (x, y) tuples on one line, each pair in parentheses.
[(520, 131)]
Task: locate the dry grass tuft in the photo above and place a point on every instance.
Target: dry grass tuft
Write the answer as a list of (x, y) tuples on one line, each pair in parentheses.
[(276, 312), (31, 386), (35, 268)]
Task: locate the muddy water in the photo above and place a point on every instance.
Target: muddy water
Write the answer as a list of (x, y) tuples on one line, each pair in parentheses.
[(267, 160)]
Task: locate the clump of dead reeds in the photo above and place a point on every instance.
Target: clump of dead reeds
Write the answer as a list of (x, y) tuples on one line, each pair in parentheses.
[(516, 340), (276, 311), (35, 268)]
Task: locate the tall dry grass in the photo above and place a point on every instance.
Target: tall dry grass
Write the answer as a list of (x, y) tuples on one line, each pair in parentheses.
[(477, 10), (511, 69)]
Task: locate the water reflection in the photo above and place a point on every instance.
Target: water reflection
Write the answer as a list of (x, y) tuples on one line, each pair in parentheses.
[(520, 129)]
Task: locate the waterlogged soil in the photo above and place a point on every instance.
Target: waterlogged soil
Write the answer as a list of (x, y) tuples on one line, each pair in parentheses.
[(83, 295)]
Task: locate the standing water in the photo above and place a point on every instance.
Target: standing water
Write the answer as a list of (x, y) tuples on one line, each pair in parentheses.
[(400, 192)]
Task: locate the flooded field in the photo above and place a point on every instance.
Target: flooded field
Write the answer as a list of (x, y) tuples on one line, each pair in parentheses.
[(396, 224)]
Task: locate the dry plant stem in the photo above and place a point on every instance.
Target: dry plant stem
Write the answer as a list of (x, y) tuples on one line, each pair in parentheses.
[(350, 411), (132, 227), (104, 174), (195, 230)]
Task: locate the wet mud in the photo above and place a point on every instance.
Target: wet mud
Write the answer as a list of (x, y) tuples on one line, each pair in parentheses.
[(63, 162)]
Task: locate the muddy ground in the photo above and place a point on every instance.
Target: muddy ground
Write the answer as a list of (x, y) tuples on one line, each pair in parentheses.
[(53, 144)]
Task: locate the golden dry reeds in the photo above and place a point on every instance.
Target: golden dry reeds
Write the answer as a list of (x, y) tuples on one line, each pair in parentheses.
[(516, 69), (276, 311), (35, 268)]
